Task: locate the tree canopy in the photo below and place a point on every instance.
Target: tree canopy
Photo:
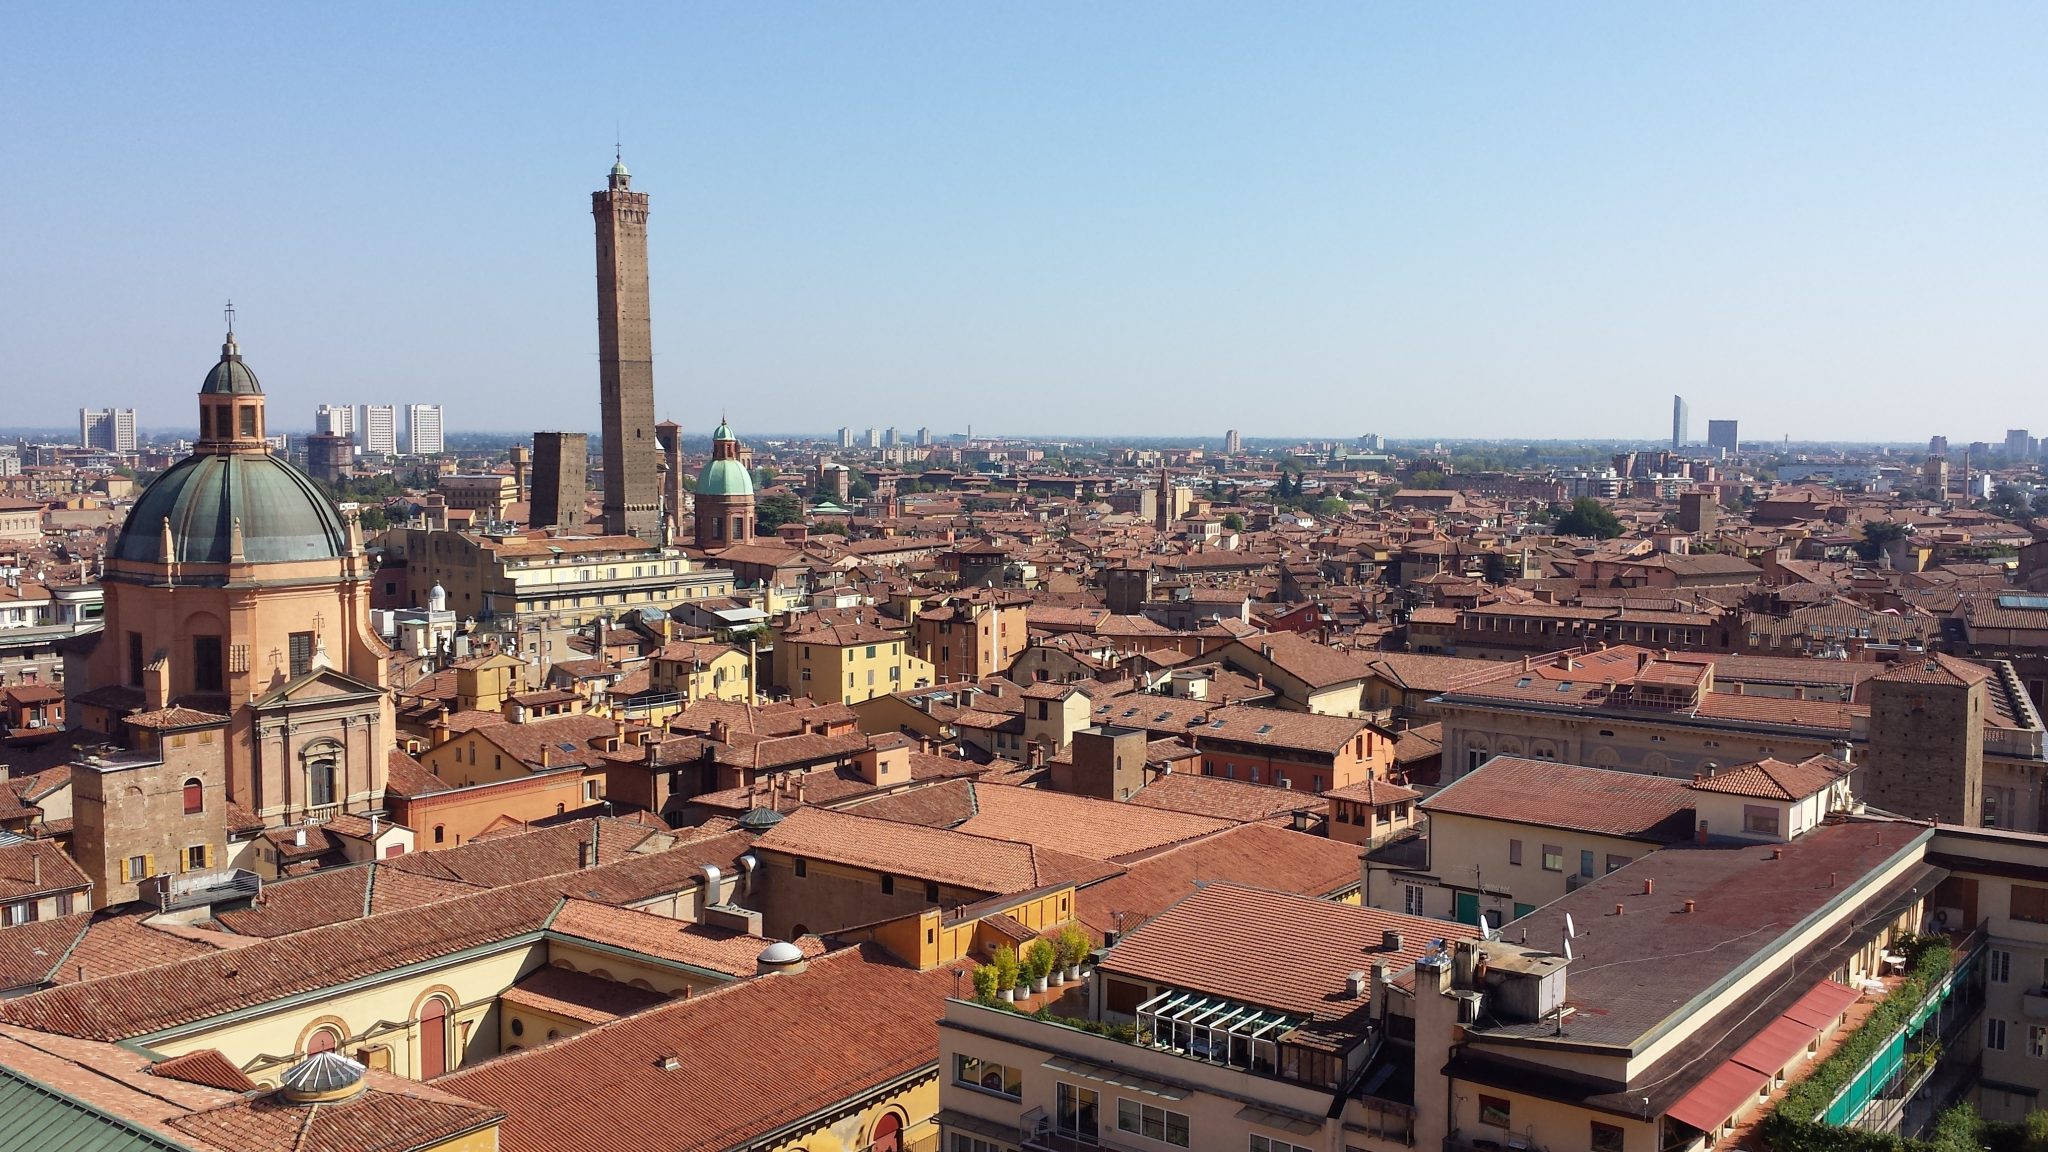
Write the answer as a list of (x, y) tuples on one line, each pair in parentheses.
[(1589, 517)]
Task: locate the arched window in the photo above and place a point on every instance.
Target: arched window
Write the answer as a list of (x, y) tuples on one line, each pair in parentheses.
[(888, 1134), (433, 1038), (440, 833), (322, 1040), (195, 797)]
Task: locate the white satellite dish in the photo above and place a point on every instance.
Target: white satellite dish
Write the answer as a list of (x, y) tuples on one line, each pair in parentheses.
[(1567, 948), (1570, 933)]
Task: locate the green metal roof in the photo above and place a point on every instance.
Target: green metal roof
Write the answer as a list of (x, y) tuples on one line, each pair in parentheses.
[(35, 1115), (284, 517), (725, 478)]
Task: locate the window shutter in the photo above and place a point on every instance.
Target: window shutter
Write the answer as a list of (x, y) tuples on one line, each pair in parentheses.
[(125, 878), (209, 856), (148, 866)]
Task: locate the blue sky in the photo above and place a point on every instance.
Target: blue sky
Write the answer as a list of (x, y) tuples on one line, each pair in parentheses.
[(1826, 220)]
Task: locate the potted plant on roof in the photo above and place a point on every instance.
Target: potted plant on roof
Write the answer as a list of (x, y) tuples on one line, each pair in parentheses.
[(985, 983), (1007, 981), (1038, 963), (1072, 945)]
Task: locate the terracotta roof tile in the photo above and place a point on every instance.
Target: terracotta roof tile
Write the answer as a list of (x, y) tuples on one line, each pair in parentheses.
[(1224, 939), (1258, 854), (206, 1066), (980, 863), (1218, 798), (1773, 779), (579, 995), (779, 1059), (390, 1114), (733, 953), (1551, 795)]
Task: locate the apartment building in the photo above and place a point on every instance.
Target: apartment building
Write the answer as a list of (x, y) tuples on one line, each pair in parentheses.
[(509, 581), (423, 430), (970, 635), (847, 663)]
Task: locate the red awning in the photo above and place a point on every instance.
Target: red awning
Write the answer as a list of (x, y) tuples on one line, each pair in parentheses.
[(1726, 1091), (1819, 1007), (1781, 1042)]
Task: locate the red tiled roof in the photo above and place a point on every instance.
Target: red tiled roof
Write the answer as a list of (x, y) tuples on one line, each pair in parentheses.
[(1224, 939), (980, 863), (390, 1114), (206, 1066), (579, 995), (1551, 795), (1772, 779), (1254, 854), (778, 1058)]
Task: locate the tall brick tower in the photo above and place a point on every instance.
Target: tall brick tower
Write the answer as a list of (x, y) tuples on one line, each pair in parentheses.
[(625, 359), (1927, 740)]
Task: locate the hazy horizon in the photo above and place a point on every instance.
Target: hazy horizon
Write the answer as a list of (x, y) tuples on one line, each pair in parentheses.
[(1146, 220)]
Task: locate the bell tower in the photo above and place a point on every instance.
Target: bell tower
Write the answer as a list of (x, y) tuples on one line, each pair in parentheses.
[(625, 359)]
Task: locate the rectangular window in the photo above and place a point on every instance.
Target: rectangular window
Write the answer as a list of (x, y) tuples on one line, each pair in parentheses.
[(138, 867), (206, 664), (1411, 899), (800, 866), (988, 1076), (888, 885), (1075, 1110), (1994, 1034), (1493, 1111), (1553, 858), (1614, 862), (20, 913), (965, 1143), (2037, 1042), (1586, 863), (1515, 853), (1761, 819), (2030, 903), (300, 647), (931, 891), (1151, 1122), (1271, 1144), (1998, 966), (1606, 1138), (248, 412), (135, 660), (195, 857)]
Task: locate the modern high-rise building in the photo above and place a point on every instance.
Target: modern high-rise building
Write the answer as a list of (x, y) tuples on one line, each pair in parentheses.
[(890, 439), (1679, 414), (423, 436), (1232, 443), (560, 462), (335, 419), (1721, 434), (846, 437), (377, 429), (874, 437), (2018, 444), (1937, 445), (110, 428), (924, 437), (625, 359)]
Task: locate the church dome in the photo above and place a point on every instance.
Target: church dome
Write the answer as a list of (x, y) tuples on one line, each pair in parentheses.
[(230, 377), (725, 478), (284, 517)]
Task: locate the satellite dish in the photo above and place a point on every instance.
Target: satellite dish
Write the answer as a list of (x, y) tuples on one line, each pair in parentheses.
[(1570, 933), (1567, 947)]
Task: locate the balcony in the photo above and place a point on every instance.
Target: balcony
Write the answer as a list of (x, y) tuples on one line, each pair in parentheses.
[(2034, 1004), (198, 889), (1035, 1130)]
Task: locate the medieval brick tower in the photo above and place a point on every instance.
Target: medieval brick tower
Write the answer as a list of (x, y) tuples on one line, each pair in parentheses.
[(625, 359), (1927, 740)]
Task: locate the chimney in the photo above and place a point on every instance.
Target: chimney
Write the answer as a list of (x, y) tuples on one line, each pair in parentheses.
[(1650, 887), (1617, 910), (1689, 906), (583, 854), (1390, 940)]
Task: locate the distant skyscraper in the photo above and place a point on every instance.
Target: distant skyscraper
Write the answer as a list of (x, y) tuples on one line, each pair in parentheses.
[(336, 419), (1678, 421), (846, 437), (874, 437), (423, 436), (1721, 434), (1937, 445), (924, 437), (110, 428), (625, 359), (890, 439), (2018, 445), (377, 429), (1232, 443)]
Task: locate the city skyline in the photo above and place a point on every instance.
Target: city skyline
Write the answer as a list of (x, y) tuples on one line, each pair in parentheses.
[(1468, 212)]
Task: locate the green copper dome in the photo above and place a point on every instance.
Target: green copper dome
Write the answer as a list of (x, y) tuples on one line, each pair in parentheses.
[(284, 517), (725, 478), (230, 377), (722, 432)]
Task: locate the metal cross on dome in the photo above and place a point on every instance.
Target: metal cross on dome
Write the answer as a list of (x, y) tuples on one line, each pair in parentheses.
[(229, 312)]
